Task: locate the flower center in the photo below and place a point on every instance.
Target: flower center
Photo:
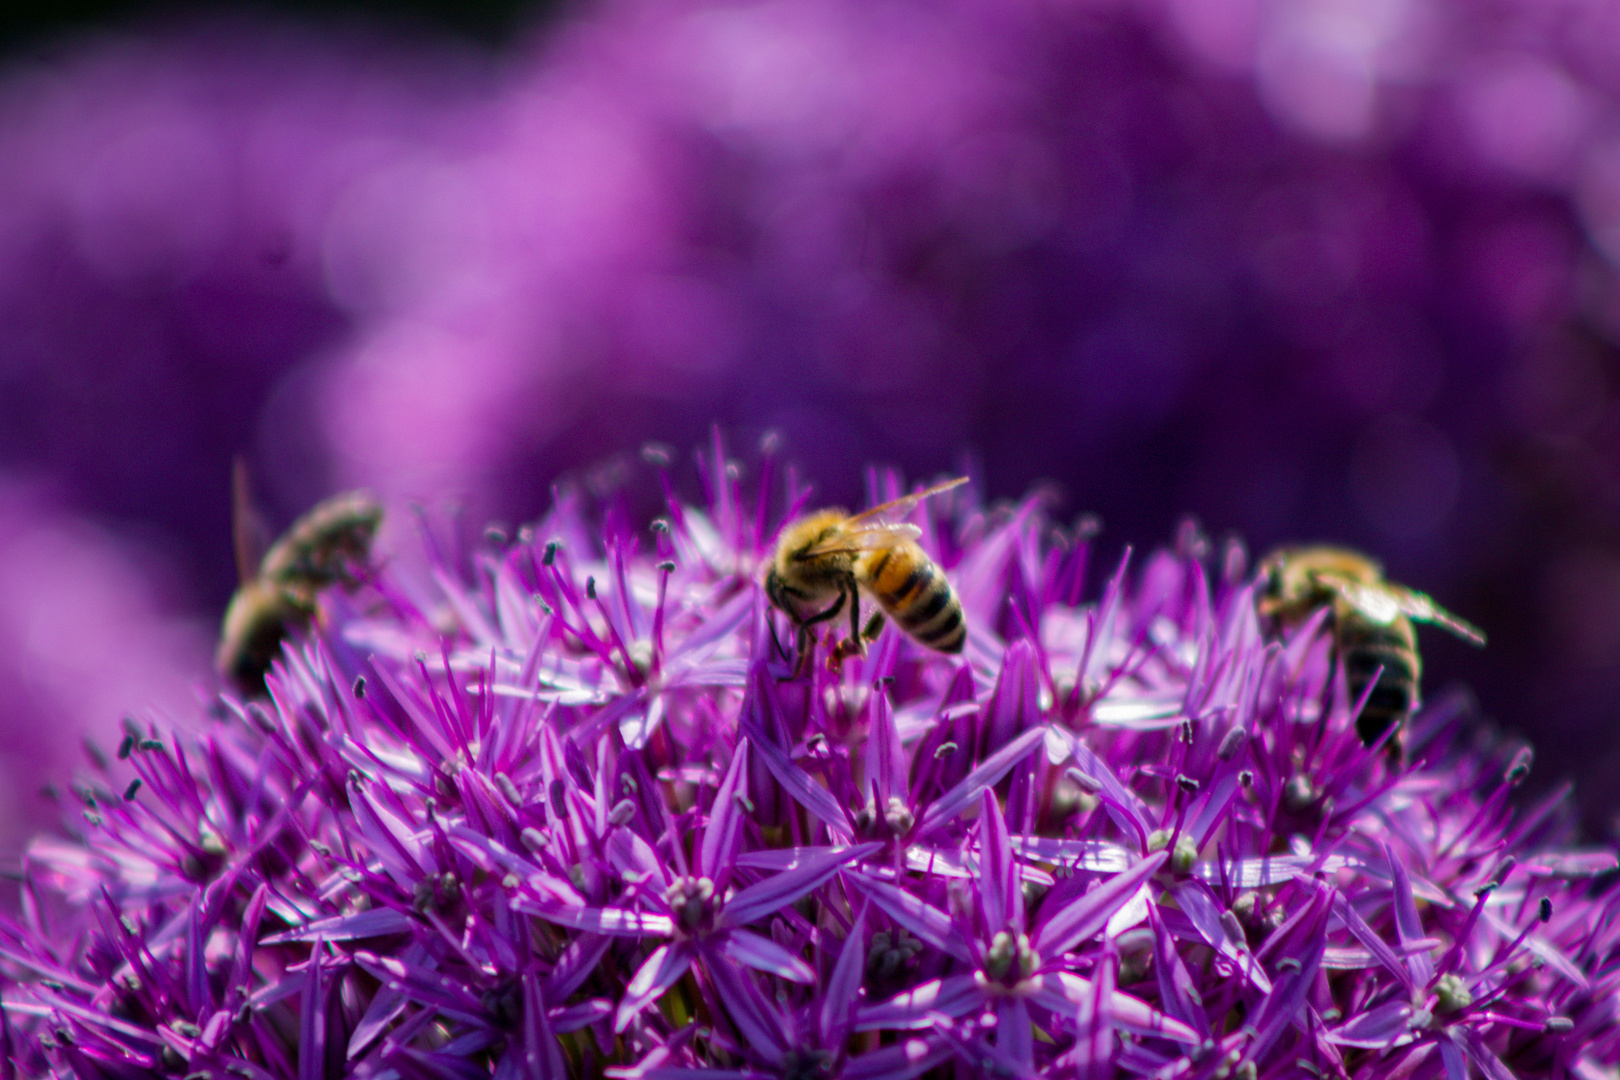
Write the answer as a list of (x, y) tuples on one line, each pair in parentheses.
[(1452, 994), (888, 955), (896, 821), (1184, 855), (1010, 960), (691, 902)]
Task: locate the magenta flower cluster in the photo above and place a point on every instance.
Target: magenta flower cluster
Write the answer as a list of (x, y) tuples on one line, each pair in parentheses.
[(550, 805)]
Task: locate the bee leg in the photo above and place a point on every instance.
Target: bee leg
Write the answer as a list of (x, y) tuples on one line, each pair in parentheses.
[(805, 642), (776, 641), (855, 644), (858, 642), (807, 637)]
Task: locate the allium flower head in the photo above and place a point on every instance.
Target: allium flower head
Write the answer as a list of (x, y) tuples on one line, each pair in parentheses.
[(551, 805)]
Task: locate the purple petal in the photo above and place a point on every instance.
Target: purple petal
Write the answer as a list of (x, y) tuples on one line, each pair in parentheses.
[(1376, 1028), (1376, 946), (843, 987), (420, 982), (662, 970), (1178, 994), (1214, 807), (384, 1008), (717, 626), (1085, 917), (575, 965), (1452, 1056), (928, 923), (575, 1017), (1200, 909), (1571, 865), (1257, 873), (724, 831), (1484, 1059), (765, 955), (1122, 804), (1093, 1051), (632, 858), (907, 1059), (999, 892), (620, 922), (779, 859), (1408, 925), (916, 1008), (1063, 991), (1098, 856), (799, 784), (1015, 1034), (377, 922), (774, 893), (541, 1054), (885, 761), (756, 1019), (1285, 1004), (1542, 949), (1101, 627), (1015, 702), (945, 809), (312, 1018)]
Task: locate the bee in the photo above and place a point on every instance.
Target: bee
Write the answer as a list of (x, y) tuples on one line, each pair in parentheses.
[(1371, 623), (278, 591), (824, 560)]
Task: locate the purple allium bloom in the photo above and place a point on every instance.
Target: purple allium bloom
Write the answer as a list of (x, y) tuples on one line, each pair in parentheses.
[(549, 805), (1348, 268)]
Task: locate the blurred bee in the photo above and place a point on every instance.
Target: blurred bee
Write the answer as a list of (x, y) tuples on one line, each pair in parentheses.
[(824, 559), (278, 591), (1371, 623)]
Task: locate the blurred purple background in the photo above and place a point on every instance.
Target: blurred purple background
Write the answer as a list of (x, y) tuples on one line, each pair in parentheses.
[(1309, 269)]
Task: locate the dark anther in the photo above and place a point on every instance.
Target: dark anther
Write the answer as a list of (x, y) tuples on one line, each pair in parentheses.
[(1231, 743), (1520, 768)]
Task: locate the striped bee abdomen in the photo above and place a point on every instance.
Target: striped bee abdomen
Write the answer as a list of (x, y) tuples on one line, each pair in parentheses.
[(916, 595), (1364, 647)]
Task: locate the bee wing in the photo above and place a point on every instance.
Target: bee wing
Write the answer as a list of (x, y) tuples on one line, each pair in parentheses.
[(248, 534), (873, 536), (1385, 602), (902, 506)]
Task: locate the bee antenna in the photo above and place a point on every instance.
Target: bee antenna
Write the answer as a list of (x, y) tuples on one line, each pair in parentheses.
[(248, 534)]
